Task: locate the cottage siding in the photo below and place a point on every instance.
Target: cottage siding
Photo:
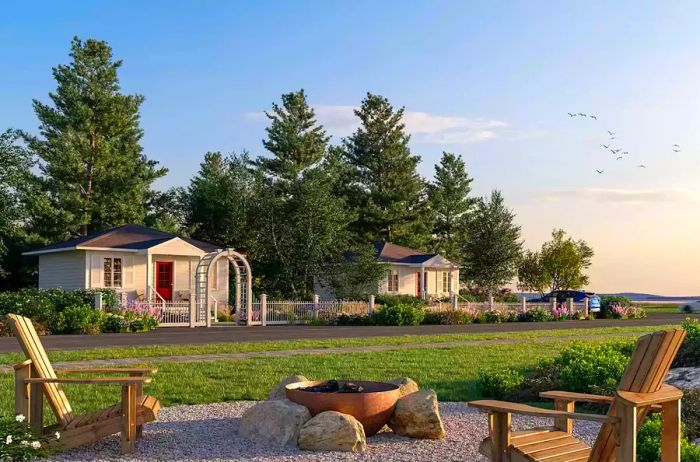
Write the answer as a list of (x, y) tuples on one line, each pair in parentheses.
[(65, 270), (176, 247), (220, 291)]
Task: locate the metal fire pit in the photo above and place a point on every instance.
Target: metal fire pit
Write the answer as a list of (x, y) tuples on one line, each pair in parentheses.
[(373, 407)]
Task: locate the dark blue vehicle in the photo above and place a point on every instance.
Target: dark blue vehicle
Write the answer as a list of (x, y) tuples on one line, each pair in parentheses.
[(578, 295)]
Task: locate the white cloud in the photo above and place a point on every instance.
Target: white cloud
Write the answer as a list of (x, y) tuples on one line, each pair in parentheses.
[(340, 120), (630, 196)]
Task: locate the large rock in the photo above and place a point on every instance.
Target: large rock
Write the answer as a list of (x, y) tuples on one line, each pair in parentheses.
[(406, 385), (332, 431), (684, 377), (274, 422), (279, 391), (417, 415)]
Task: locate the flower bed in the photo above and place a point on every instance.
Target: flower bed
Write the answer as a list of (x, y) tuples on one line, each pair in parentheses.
[(54, 311)]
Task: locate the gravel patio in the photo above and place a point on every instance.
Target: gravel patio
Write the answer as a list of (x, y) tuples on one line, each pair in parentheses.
[(210, 432)]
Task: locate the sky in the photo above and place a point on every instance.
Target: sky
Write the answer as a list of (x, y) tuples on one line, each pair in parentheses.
[(491, 81)]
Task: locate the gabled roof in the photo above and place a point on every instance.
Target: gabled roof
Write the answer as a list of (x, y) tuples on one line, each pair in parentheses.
[(392, 253), (127, 237)]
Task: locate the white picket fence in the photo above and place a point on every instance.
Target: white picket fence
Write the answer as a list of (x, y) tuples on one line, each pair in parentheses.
[(272, 312), (173, 314)]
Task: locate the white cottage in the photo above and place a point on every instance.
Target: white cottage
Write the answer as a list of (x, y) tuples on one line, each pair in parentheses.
[(137, 261)]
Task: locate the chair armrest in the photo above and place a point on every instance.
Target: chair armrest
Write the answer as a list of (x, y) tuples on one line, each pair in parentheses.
[(94, 380), (113, 370), (524, 409), (665, 394), (576, 397)]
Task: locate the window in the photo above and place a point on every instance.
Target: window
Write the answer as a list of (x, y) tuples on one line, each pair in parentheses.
[(112, 272), (445, 281), (393, 281)]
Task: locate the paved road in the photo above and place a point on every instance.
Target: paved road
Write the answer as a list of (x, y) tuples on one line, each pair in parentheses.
[(179, 336)]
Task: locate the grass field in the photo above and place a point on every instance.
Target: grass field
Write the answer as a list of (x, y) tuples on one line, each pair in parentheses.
[(661, 308), (450, 370), (155, 351)]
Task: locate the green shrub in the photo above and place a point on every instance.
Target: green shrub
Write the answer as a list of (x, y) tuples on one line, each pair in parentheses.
[(394, 300), (590, 368), (537, 315), (689, 353), (398, 315), (499, 384), (649, 443), (18, 441), (611, 300), (352, 320), (114, 323), (81, 319), (448, 317)]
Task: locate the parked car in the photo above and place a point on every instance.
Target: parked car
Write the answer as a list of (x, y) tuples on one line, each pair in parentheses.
[(579, 296), (690, 307)]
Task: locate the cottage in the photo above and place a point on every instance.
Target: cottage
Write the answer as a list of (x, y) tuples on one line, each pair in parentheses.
[(412, 272), (137, 261)]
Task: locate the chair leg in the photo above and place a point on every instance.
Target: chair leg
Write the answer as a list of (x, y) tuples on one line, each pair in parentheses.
[(128, 430), (671, 431), (627, 449), (499, 426)]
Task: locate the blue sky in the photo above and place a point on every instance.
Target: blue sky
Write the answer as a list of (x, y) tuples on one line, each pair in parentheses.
[(492, 81)]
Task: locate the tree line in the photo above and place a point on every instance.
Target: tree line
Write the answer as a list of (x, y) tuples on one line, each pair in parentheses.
[(308, 208)]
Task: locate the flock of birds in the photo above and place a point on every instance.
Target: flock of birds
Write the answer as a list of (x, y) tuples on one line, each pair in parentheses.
[(617, 152)]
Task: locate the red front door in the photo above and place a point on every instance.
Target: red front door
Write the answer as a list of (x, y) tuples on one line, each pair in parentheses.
[(164, 279)]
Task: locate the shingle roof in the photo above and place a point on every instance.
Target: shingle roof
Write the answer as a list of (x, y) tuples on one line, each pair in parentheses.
[(131, 236), (392, 253)]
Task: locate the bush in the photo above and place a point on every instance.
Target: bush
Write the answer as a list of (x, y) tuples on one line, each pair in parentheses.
[(19, 442), (114, 323), (649, 443), (394, 300), (537, 315), (612, 300), (499, 384), (449, 317), (689, 353), (352, 320), (398, 315), (81, 319), (591, 368)]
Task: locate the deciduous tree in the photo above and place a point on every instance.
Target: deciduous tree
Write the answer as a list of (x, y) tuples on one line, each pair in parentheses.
[(564, 261)]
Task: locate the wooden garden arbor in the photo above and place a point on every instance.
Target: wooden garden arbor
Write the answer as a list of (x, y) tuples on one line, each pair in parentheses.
[(243, 301)]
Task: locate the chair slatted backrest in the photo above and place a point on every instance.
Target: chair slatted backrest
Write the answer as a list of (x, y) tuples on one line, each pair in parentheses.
[(41, 366), (645, 373)]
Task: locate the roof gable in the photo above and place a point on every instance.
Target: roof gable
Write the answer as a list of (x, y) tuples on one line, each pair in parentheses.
[(126, 237)]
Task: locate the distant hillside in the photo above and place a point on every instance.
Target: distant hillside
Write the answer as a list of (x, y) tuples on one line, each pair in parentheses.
[(652, 297)]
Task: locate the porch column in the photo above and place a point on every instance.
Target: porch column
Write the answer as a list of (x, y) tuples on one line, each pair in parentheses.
[(422, 282), (451, 282), (148, 277)]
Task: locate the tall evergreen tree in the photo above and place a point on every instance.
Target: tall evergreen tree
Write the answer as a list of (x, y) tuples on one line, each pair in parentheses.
[(217, 204), (294, 138), (94, 173), (493, 246), (299, 223), (15, 179), (450, 203), (387, 194)]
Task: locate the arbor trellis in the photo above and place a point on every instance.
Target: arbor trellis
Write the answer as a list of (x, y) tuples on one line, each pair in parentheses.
[(243, 301)]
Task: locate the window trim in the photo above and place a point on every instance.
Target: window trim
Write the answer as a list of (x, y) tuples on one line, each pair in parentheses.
[(393, 276), (445, 281), (111, 282)]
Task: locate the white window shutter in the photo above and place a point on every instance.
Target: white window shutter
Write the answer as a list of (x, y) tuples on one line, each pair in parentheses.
[(96, 272), (128, 270)]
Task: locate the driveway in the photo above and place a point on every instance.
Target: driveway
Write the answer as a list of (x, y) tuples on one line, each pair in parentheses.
[(230, 334)]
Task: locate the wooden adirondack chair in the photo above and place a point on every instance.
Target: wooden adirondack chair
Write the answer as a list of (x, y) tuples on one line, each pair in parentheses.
[(640, 391), (36, 378)]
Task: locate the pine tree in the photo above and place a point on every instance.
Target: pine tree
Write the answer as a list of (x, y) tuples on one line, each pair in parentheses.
[(94, 172), (217, 204), (450, 203), (299, 223), (294, 138), (493, 246), (387, 194)]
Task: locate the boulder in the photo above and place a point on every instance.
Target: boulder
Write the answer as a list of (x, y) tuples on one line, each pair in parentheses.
[(332, 431), (274, 422), (406, 385), (279, 392), (684, 377), (417, 416)]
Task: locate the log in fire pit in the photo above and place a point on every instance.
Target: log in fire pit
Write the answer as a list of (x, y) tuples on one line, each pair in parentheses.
[(371, 403)]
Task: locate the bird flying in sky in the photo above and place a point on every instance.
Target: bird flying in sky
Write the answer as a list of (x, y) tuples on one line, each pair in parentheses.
[(599, 171), (593, 117), (642, 166), (606, 146), (571, 115), (614, 151), (618, 157), (610, 133)]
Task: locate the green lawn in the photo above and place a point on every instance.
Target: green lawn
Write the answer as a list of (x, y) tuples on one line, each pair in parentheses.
[(451, 371), (155, 351), (661, 308)]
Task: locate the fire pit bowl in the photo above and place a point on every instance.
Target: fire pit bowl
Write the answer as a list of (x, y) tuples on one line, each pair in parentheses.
[(372, 407)]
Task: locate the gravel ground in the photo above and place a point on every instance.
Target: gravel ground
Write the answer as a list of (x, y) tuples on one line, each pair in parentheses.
[(210, 432)]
